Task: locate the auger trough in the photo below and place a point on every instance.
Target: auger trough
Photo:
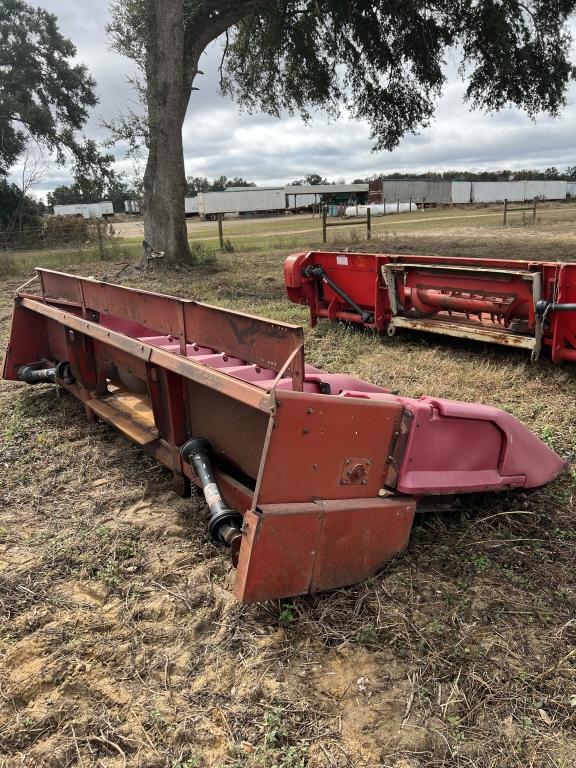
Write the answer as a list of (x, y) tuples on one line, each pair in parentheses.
[(525, 304), (312, 478)]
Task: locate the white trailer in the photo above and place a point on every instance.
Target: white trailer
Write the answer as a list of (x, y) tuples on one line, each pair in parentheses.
[(517, 191), (249, 200), (132, 206), (191, 206), (85, 210), (461, 191), (295, 200)]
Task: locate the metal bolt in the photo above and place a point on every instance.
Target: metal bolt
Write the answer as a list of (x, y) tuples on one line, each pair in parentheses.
[(305, 430), (347, 461), (309, 411), (344, 482)]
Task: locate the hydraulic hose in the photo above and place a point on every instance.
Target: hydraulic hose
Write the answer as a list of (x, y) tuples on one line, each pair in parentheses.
[(315, 270), (225, 523), (34, 374)]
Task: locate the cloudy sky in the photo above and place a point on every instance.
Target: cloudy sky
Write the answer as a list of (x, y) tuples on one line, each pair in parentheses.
[(219, 139)]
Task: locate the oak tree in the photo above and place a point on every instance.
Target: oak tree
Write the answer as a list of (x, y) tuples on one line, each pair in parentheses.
[(383, 60), (44, 96)]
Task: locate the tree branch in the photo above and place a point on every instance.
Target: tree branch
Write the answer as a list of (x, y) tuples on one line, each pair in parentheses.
[(197, 38)]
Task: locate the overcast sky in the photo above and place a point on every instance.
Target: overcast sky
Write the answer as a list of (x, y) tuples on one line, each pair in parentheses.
[(219, 139)]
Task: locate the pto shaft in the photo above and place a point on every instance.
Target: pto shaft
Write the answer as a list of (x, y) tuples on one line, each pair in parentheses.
[(34, 373), (225, 523)]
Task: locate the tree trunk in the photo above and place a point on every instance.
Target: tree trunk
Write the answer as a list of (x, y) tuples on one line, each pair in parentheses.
[(164, 178)]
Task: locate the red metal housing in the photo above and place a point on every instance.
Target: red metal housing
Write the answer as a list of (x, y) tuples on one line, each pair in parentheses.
[(526, 304), (324, 469)]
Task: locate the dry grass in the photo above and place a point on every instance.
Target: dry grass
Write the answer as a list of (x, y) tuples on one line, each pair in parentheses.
[(121, 643)]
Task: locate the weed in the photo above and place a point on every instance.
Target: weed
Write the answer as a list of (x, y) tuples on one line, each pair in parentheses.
[(287, 614), (189, 762), (201, 254), (368, 635), (274, 749), (274, 728), (482, 563)]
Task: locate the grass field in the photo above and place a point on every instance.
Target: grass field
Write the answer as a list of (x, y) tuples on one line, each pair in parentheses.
[(121, 643)]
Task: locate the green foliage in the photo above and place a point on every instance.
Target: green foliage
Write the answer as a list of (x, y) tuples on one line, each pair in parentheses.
[(92, 185), (42, 93), (67, 229), (94, 180), (310, 179), (195, 184), (17, 209), (384, 61), (275, 730), (275, 749), (201, 253), (287, 614), (190, 762), (482, 563)]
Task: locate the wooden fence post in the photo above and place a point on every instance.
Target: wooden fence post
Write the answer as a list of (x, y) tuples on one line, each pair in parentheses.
[(505, 212), (100, 241), (397, 205), (534, 211), (324, 224), (384, 204), (220, 232), (368, 223)]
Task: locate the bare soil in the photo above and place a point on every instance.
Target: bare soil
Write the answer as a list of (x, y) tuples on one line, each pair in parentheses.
[(121, 644)]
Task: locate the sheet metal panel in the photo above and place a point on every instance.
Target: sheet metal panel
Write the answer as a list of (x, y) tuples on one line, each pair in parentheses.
[(250, 199), (434, 191), (461, 191), (555, 190), (498, 191), (571, 188), (517, 191), (191, 205), (325, 189)]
